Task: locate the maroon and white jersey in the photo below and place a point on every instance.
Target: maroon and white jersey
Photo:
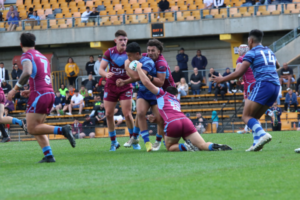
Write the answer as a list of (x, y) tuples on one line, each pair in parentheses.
[(40, 79)]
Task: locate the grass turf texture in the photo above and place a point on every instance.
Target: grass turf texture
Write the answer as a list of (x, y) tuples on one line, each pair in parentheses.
[(90, 171)]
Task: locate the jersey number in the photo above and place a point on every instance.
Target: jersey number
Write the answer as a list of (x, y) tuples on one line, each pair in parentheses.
[(271, 58), (45, 62)]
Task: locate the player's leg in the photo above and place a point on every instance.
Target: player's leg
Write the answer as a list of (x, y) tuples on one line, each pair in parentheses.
[(126, 106), (109, 113), (281, 81), (80, 108), (5, 137), (36, 126), (11, 120), (172, 144), (142, 109), (160, 128), (92, 135)]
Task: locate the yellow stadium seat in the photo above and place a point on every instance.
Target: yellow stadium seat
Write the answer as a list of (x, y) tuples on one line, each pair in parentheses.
[(46, 6), (180, 3), (180, 18), (44, 2), (61, 1), (103, 12), (170, 19), (236, 15), (186, 13), (90, 24), (138, 10), (198, 2), (70, 22), (72, 4), (90, 4), (168, 14), (155, 9), (130, 11), (109, 7), (55, 5), (54, 26), (195, 13), (22, 7), (23, 14), (82, 9), (120, 12), (36, 27), (114, 18), (76, 14), (74, 9), (59, 15), (19, 2), (192, 7), (27, 2), (126, 6), (68, 15), (65, 10), (134, 6), (64, 5), (233, 11), (214, 12), (124, 2), (205, 12), (115, 2), (251, 10), (262, 8), (189, 18), (78, 1), (63, 26), (53, 1), (19, 28), (133, 1), (103, 20), (144, 5), (191, 2), (174, 8), (40, 12), (81, 4), (48, 11), (142, 1), (153, 4), (147, 10), (35, 2), (111, 12), (61, 21)]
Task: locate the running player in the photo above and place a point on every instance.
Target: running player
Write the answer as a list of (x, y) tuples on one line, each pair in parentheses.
[(164, 77), (265, 92), (36, 68), (145, 99), (177, 125), (116, 57)]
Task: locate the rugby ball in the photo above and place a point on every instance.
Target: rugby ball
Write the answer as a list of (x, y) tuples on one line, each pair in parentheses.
[(133, 65)]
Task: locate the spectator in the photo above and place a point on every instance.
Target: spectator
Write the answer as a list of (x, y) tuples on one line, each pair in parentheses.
[(21, 104), (63, 90), (2, 4), (200, 123), (210, 81), (30, 13), (286, 75), (97, 65), (85, 15), (97, 103), (72, 71), (183, 88), (196, 80), (275, 112), (59, 103), (87, 98), (71, 90), (229, 84), (3, 72), (93, 15), (76, 102), (13, 22), (182, 60), (1, 18), (208, 4), (77, 129), (100, 114), (5, 87), (215, 118), (8, 107), (200, 62), (177, 75), (67, 102), (16, 73), (297, 85), (83, 91), (221, 88), (266, 2), (12, 10), (36, 18), (290, 99), (219, 4), (89, 67), (163, 5), (249, 3), (89, 83), (89, 126), (118, 115)]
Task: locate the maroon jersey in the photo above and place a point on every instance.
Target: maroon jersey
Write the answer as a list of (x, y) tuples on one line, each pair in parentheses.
[(116, 61), (162, 67), (40, 79)]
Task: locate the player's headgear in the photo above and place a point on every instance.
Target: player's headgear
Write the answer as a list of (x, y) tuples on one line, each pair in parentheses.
[(172, 90), (133, 47), (120, 33), (243, 49), (257, 35), (158, 44), (27, 40)]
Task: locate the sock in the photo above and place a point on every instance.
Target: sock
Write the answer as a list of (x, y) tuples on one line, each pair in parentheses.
[(164, 143), (210, 147), (47, 151), (158, 138), (17, 121), (145, 136), (182, 147), (246, 128), (112, 136), (257, 130), (136, 132), (130, 131), (57, 130)]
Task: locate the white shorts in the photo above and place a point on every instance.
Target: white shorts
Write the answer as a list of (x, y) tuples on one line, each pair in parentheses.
[(285, 80), (118, 117)]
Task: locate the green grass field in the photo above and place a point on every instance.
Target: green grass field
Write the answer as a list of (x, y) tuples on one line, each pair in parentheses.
[(90, 171)]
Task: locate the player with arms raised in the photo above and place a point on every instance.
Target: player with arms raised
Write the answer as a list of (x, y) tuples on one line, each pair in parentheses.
[(177, 125), (116, 57), (265, 92), (36, 68)]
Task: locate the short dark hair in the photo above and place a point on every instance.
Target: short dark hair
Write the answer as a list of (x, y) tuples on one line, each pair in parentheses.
[(67, 92), (133, 47), (172, 90), (27, 40), (92, 56), (158, 44), (86, 116), (15, 64), (198, 50), (87, 7), (120, 33), (69, 59), (30, 9), (257, 35), (82, 86), (76, 90)]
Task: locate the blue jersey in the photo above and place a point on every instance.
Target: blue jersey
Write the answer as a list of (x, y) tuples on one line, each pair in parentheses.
[(149, 66), (263, 64)]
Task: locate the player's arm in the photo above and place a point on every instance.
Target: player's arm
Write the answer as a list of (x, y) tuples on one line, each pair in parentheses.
[(145, 80), (238, 73), (159, 80)]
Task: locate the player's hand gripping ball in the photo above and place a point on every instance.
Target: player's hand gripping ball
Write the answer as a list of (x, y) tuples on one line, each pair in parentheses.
[(133, 65)]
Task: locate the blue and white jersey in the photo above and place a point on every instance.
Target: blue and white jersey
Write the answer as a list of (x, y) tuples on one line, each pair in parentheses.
[(263, 64), (149, 66)]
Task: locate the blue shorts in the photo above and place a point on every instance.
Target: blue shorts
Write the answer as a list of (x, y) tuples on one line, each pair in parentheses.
[(264, 93), (77, 106), (150, 98)]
